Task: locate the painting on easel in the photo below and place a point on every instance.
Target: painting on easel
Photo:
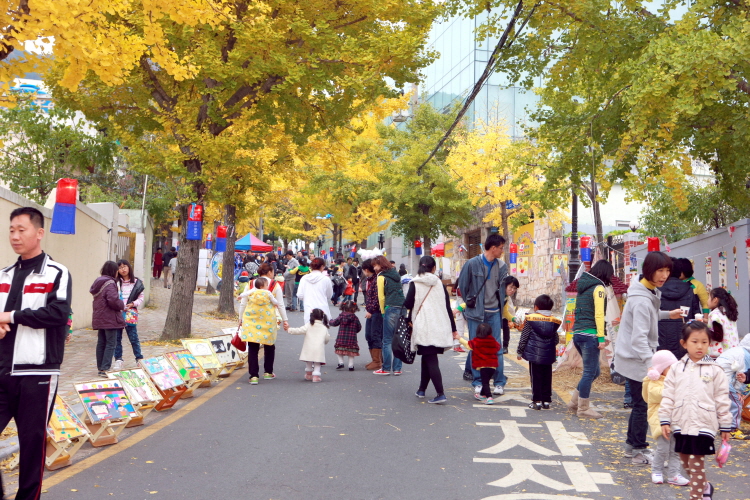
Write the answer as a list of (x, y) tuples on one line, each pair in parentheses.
[(64, 424), (161, 372), (185, 364), (105, 400), (203, 352), (225, 351), (138, 385)]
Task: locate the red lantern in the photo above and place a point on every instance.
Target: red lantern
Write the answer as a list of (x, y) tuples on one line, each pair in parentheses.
[(585, 241), (67, 190), (221, 232), (195, 212), (513, 248), (653, 244)]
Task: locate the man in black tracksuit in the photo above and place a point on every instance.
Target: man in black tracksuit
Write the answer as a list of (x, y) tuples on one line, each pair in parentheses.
[(35, 294)]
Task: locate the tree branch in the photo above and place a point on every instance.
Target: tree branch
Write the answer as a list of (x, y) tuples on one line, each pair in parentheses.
[(157, 90)]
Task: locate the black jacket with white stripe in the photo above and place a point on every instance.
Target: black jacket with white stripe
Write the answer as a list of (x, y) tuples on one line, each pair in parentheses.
[(42, 321)]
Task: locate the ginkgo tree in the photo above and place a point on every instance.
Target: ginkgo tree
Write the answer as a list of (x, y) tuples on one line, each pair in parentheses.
[(213, 76), (499, 174)]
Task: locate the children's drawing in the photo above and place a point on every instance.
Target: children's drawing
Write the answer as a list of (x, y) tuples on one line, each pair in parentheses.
[(203, 353), (723, 269), (225, 352), (185, 364), (218, 346), (105, 400), (709, 282), (523, 266), (736, 269), (559, 264), (138, 386), (64, 423), (161, 372)]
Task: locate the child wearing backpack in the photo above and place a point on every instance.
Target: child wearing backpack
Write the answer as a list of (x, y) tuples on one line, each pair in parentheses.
[(694, 405), (346, 342), (538, 343), (653, 386), (313, 349)]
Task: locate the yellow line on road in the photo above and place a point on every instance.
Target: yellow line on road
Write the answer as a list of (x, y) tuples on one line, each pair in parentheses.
[(139, 436)]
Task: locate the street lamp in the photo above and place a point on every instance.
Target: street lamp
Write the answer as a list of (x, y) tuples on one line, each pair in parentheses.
[(574, 262), (381, 240), (634, 225)]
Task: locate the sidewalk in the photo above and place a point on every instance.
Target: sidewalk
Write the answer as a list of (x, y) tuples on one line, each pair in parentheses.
[(79, 364)]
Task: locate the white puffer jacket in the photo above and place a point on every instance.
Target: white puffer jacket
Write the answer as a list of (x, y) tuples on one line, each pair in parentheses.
[(695, 400), (733, 362), (431, 324)]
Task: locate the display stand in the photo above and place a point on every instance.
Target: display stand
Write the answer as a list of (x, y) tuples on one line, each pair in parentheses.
[(171, 396), (105, 433), (108, 410), (59, 454), (143, 409), (140, 390), (189, 369), (66, 433)]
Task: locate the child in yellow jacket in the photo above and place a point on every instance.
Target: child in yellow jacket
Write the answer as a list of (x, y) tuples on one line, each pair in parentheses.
[(653, 385)]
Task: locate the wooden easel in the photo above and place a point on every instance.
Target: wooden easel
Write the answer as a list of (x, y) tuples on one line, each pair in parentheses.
[(191, 386), (59, 454), (106, 432), (143, 409), (171, 396)]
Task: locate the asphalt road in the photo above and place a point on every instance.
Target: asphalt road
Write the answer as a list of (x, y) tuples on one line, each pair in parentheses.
[(361, 436)]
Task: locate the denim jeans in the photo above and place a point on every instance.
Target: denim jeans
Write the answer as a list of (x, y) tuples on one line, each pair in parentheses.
[(374, 331), (135, 343), (638, 423), (588, 347), (627, 399), (296, 303), (390, 320), (495, 320), (105, 348)]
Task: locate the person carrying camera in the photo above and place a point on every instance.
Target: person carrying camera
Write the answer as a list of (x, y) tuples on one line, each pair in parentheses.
[(480, 283)]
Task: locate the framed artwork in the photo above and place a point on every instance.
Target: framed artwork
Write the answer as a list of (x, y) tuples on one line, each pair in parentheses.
[(185, 364), (137, 385), (225, 351), (105, 400), (161, 372), (203, 352), (523, 266), (64, 423)]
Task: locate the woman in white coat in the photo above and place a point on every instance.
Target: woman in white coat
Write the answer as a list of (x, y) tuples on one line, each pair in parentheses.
[(433, 326), (315, 289)]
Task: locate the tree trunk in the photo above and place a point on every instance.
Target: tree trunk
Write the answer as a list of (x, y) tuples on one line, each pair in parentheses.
[(427, 245), (180, 313), (226, 289), (335, 238), (504, 221), (597, 220)]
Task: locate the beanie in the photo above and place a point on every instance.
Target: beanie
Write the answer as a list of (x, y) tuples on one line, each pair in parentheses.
[(243, 273), (661, 360)]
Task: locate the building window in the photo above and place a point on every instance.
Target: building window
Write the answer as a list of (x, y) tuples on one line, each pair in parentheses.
[(473, 240), (623, 223)]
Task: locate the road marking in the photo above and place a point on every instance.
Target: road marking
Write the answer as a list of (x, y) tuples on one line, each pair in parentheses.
[(531, 496), (523, 470), (568, 442), (512, 437), (515, 411), (139, 436)]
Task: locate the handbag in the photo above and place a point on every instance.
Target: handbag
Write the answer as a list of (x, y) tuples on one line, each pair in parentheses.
[(401, 345), (238, 343)]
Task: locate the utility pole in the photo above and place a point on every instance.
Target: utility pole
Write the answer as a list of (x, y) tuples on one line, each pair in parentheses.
[(574, 262)]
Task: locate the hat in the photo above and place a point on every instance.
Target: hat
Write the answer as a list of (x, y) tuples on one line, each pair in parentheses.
[(661, 360), (243, 273)]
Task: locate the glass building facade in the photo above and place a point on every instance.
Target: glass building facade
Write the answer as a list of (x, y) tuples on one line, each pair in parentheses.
[(460, 62)]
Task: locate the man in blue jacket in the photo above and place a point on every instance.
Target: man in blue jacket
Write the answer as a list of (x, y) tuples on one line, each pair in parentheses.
[(480, 283)]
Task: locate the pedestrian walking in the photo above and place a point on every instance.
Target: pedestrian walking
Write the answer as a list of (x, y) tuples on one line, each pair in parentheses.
[(509, 309), (676, 294), (433, 327), (373, 317), (590, 334), (168, 273), (349, 291), (485, 349), (258, 326), (290, 281), (723, 321), (537, 345), (653, 387), (636, 343), (315, 289), (302, 270), (172, 268), (735, 362), (313, 349), (694, 406), (158, 263), (480, 283), (132, 294), (346, 341), (391, 299), (33, 332), (686, 274), (355, 274), (107, 315)]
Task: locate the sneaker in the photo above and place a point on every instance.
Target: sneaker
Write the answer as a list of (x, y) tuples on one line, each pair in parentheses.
[(438, 399), (535, 406), (316, 378), (738, 434), (340, 366), (479, 397), (498, 390), (351, 368), (489, 401), (468, 376), (103, 374), (308, 375), (545, 406), (253, 380), (678, 480), (657, 478), (381, 372), (477, 389), (505, 350), (419, 394), (117, 366), (629, 452), (458, 348), (269, 376), (397, 373), (641, 458)]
